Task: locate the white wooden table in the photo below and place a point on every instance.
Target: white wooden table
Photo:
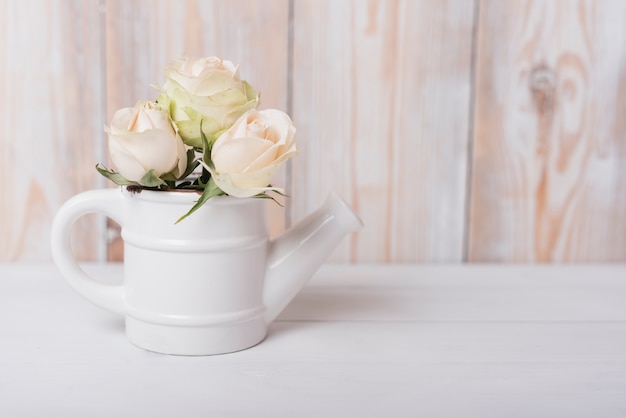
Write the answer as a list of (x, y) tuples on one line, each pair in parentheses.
[(408, 341)]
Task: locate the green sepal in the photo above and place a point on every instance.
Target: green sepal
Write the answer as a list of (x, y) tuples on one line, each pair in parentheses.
[(192, 163), (278, 191), (114, 176), (267, 196), (150, 180), (210, 190)]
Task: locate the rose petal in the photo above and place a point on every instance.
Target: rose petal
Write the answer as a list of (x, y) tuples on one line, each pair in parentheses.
[(263, 160), (125, 163), (154, 149), (156, 119), (215, 83), (254, 179), (235, 155), (122, 120), (225, 183), (273, 155)]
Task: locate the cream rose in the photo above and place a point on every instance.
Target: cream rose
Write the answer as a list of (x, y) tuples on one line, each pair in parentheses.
[(206, 90), (141, 139), (247, 155)]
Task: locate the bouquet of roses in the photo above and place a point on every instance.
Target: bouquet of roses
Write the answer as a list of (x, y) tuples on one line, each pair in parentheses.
[(203, 133)]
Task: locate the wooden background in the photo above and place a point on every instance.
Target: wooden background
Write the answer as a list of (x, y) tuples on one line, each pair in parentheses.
[(460, 130)]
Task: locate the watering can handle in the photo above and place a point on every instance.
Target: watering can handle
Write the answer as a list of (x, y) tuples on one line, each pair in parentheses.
[(108, 202)]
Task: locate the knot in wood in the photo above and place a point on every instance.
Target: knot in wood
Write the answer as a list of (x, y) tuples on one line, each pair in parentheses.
[(542, 84)]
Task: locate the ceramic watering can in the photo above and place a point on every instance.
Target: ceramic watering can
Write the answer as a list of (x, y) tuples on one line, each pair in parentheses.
[(210, 284)]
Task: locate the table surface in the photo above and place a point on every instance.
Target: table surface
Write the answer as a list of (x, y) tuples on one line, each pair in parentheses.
[(358, 341)]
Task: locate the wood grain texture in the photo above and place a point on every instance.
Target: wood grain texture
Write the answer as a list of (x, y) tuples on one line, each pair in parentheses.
[(52, 114), (358, 341), (549, 163), (143, 36), (381, 100)]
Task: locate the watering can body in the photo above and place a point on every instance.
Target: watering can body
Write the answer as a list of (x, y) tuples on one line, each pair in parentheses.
[(210, 284)]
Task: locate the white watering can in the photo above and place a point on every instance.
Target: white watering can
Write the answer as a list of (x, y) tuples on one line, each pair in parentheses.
[(210, 284)]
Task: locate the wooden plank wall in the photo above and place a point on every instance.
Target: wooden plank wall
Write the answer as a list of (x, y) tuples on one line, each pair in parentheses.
[(460, 130), (51, 84), (382, 97), (549, 149)]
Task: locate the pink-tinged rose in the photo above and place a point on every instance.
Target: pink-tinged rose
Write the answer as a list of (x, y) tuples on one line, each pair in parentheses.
[(246, 156), (143, 138)]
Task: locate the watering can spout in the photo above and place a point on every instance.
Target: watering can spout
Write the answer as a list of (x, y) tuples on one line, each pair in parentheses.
[(295, 256)]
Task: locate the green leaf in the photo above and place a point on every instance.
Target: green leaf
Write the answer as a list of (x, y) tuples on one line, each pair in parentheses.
[(114, 176), (150, 180), (192, 163), (191, 186), (206, 149), (211, 190), (204, 177)]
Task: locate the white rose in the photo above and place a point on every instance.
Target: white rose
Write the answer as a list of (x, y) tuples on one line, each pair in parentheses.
[(206, 90), (247, 155), (141, 139)]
